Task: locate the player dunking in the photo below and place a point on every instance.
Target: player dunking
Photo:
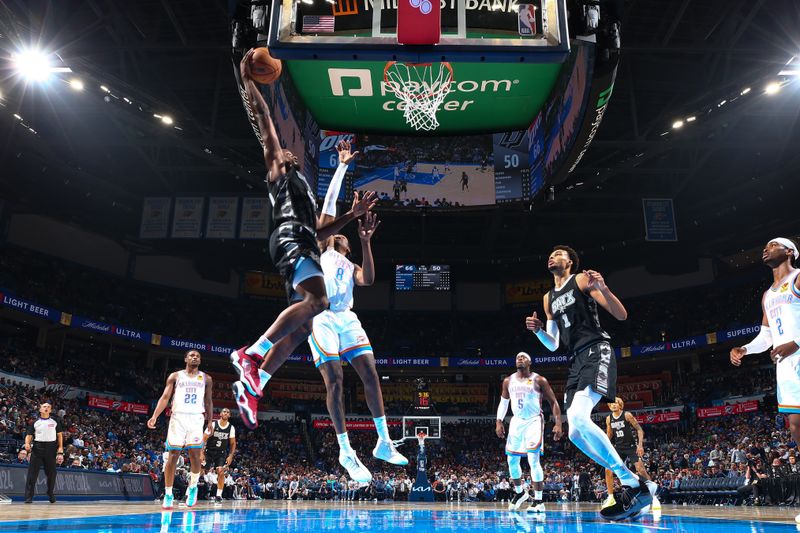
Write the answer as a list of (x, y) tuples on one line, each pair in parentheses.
[(620, 427), (293, 242), (220, 448), (192, 410), (572, 322), (524, 390), (780, 328)]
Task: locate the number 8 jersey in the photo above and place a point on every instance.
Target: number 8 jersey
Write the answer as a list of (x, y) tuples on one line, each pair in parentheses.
[(339, 280), (189, 395), (575, 313)]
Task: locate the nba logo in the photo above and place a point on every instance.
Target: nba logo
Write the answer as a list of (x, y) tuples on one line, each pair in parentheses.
[(527, 19)]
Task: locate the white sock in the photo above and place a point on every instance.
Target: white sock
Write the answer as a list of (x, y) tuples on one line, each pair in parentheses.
[(537, 494), (592, 440), (265, 377), (167, 491), (219, 493), (193, 478), (260, 347), (652, 487), (382, 428), (344, 443), (519, 488)]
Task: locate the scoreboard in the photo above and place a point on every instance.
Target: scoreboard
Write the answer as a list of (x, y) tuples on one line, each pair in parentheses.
[(422, 277)]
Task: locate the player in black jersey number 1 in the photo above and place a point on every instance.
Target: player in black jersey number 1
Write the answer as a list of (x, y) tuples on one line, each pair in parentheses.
[(572, 322)]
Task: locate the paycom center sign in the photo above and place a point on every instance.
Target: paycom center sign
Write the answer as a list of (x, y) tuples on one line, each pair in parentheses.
[(353, 96)]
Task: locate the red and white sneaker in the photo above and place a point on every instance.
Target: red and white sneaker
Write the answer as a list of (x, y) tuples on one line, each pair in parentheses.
[(247, 403), (247, 367)]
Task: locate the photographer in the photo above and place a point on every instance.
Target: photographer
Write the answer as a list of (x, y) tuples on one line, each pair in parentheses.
[(753, 476)]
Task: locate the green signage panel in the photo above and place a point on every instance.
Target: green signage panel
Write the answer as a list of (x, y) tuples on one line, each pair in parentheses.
[(485, 97)]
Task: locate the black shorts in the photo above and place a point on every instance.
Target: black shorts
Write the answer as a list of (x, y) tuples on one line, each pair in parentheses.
[(288, 243), (216, 458), (595, 366), (628, 456)]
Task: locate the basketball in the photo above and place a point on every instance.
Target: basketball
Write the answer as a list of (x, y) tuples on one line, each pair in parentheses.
[(264, 68)]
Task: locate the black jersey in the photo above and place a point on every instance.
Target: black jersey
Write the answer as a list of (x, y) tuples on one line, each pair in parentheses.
[(220, 438), (622, 436), (292, 201), (575, 314)]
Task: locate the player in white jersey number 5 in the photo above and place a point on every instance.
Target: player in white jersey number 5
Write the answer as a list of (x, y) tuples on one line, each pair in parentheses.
[(780, 328), (524, 390), (192, 411)]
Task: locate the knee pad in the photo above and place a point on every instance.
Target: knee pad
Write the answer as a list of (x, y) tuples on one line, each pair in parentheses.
[(537, 474), (514, 468)]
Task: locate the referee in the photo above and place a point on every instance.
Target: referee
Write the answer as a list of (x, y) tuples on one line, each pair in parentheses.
[(48, 441)]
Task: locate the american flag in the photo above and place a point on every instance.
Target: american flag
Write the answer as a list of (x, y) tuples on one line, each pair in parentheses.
[(319, 24)]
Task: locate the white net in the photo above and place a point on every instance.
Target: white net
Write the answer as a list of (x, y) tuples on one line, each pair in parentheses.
[(422, 88)]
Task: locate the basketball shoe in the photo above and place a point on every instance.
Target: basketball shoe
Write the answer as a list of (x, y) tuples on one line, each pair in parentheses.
[(191, 496), (385, 451), (537, 507), (628, 503), (168, 503), (247, 404), (517, 500), (355, 468), (247, 367)]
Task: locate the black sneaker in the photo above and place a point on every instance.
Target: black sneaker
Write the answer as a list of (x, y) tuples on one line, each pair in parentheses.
[(517, 500), (52, 499), (627, 503), (218, 499), (28, 501)]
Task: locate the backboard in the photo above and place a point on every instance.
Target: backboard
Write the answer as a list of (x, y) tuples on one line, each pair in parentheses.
[(430, 425)]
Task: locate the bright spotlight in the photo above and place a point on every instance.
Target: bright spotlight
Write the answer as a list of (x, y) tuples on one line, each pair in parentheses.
[(691, 119), (76, 84), (105, 89), (772, 88), (677, 124), (745, 91), (33, 65), (166, 119)]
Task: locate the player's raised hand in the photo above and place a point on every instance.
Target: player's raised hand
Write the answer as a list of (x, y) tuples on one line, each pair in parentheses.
[(363, 203), (533, 323), (345, 156), (784, 350), (151, 423), (367, 226), (736, 356), (500, 429), (595, 280), (244, 65)]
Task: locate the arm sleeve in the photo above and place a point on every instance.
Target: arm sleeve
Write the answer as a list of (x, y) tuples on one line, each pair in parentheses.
[(550, 337), (761, 343), (329, 205), (502, 408), (59, 426), (29, 430)]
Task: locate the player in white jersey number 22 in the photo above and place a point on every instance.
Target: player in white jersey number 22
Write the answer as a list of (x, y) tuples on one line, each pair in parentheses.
[(780, 328), (192, 411), (523, 390)]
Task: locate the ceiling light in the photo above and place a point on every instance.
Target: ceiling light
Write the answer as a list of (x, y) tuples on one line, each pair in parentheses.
[(691, 119), (32, 64), (745, 91), (772, 88), (76, 84), (677, 124), (105, 89), (166, 119)]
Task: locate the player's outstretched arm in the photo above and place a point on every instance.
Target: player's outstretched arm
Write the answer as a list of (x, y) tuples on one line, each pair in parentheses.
[(365, 274), (361, 205), (592, 283), (547, 391), (761, 343), (502, 409), (273, 152), (162, 402), (547, 334), (346, 157)]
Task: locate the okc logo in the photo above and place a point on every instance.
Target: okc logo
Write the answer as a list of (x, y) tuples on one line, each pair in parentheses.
[(424, 6)]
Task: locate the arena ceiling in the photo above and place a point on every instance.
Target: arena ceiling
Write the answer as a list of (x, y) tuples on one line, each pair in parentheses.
[(732, 173)]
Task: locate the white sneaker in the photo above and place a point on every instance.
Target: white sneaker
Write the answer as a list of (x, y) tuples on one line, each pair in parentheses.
[(355, 468), (385, 451), (797, 519), (537, 508)]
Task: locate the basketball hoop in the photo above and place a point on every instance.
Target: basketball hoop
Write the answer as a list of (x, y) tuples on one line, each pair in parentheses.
[(422, 88), (421, 436)]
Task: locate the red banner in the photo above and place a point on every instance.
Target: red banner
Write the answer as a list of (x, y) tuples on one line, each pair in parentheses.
[(659, 418), (116, 405), (728, 410), (356, 425)]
